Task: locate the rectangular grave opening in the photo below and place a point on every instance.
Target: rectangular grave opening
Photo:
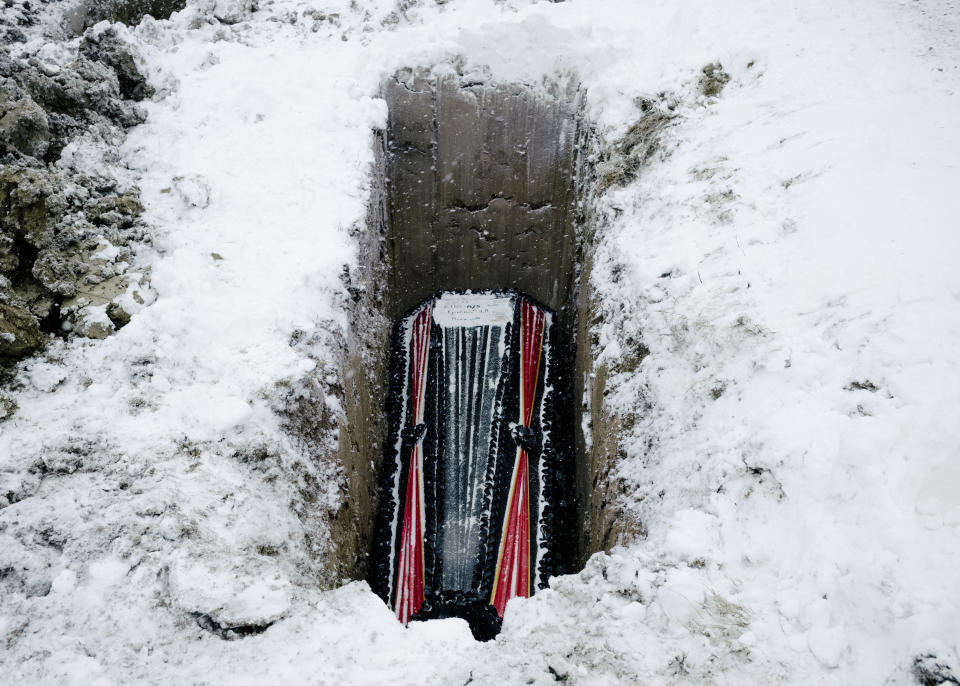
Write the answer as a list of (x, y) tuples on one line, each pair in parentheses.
[(479, 185)]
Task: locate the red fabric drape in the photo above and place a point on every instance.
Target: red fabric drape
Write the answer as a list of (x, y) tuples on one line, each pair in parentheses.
[(410, 571), (513, 577)]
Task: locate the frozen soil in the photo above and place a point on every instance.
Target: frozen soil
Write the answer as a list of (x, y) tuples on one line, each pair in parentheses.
[(70, 227), (776, 337)]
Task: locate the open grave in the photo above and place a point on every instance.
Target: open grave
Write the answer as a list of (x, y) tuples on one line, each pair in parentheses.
[(481, 191)]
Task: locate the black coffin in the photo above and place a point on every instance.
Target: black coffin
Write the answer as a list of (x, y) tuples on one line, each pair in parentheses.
[(474, 475)]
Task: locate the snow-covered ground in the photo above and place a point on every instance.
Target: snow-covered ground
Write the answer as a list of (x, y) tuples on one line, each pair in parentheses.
[(786, 257)]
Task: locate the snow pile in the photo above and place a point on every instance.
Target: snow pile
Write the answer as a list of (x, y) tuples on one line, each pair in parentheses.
[(787, 268), (779, 318)]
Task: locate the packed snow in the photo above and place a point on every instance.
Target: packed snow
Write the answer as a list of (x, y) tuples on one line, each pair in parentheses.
[(782, 268)]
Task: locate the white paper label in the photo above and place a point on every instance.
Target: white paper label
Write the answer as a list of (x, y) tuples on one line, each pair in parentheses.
[(473, 309)]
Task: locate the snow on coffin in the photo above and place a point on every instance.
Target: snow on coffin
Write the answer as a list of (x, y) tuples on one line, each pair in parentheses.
[(472, 491)]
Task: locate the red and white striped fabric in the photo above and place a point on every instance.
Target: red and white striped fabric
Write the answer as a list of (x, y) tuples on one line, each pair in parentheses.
[(512, 577), (410, 571)]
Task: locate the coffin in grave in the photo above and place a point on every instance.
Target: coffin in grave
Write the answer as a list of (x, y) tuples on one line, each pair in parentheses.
[(473, 488)]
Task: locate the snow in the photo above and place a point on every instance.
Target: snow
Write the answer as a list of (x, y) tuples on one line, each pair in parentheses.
[(792, 240), (227, 599), (64, 582)]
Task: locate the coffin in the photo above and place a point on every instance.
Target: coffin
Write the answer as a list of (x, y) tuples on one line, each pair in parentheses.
[(472, 494)]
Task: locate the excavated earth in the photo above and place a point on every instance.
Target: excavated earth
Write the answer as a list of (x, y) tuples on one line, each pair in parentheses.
[(67, 236)]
